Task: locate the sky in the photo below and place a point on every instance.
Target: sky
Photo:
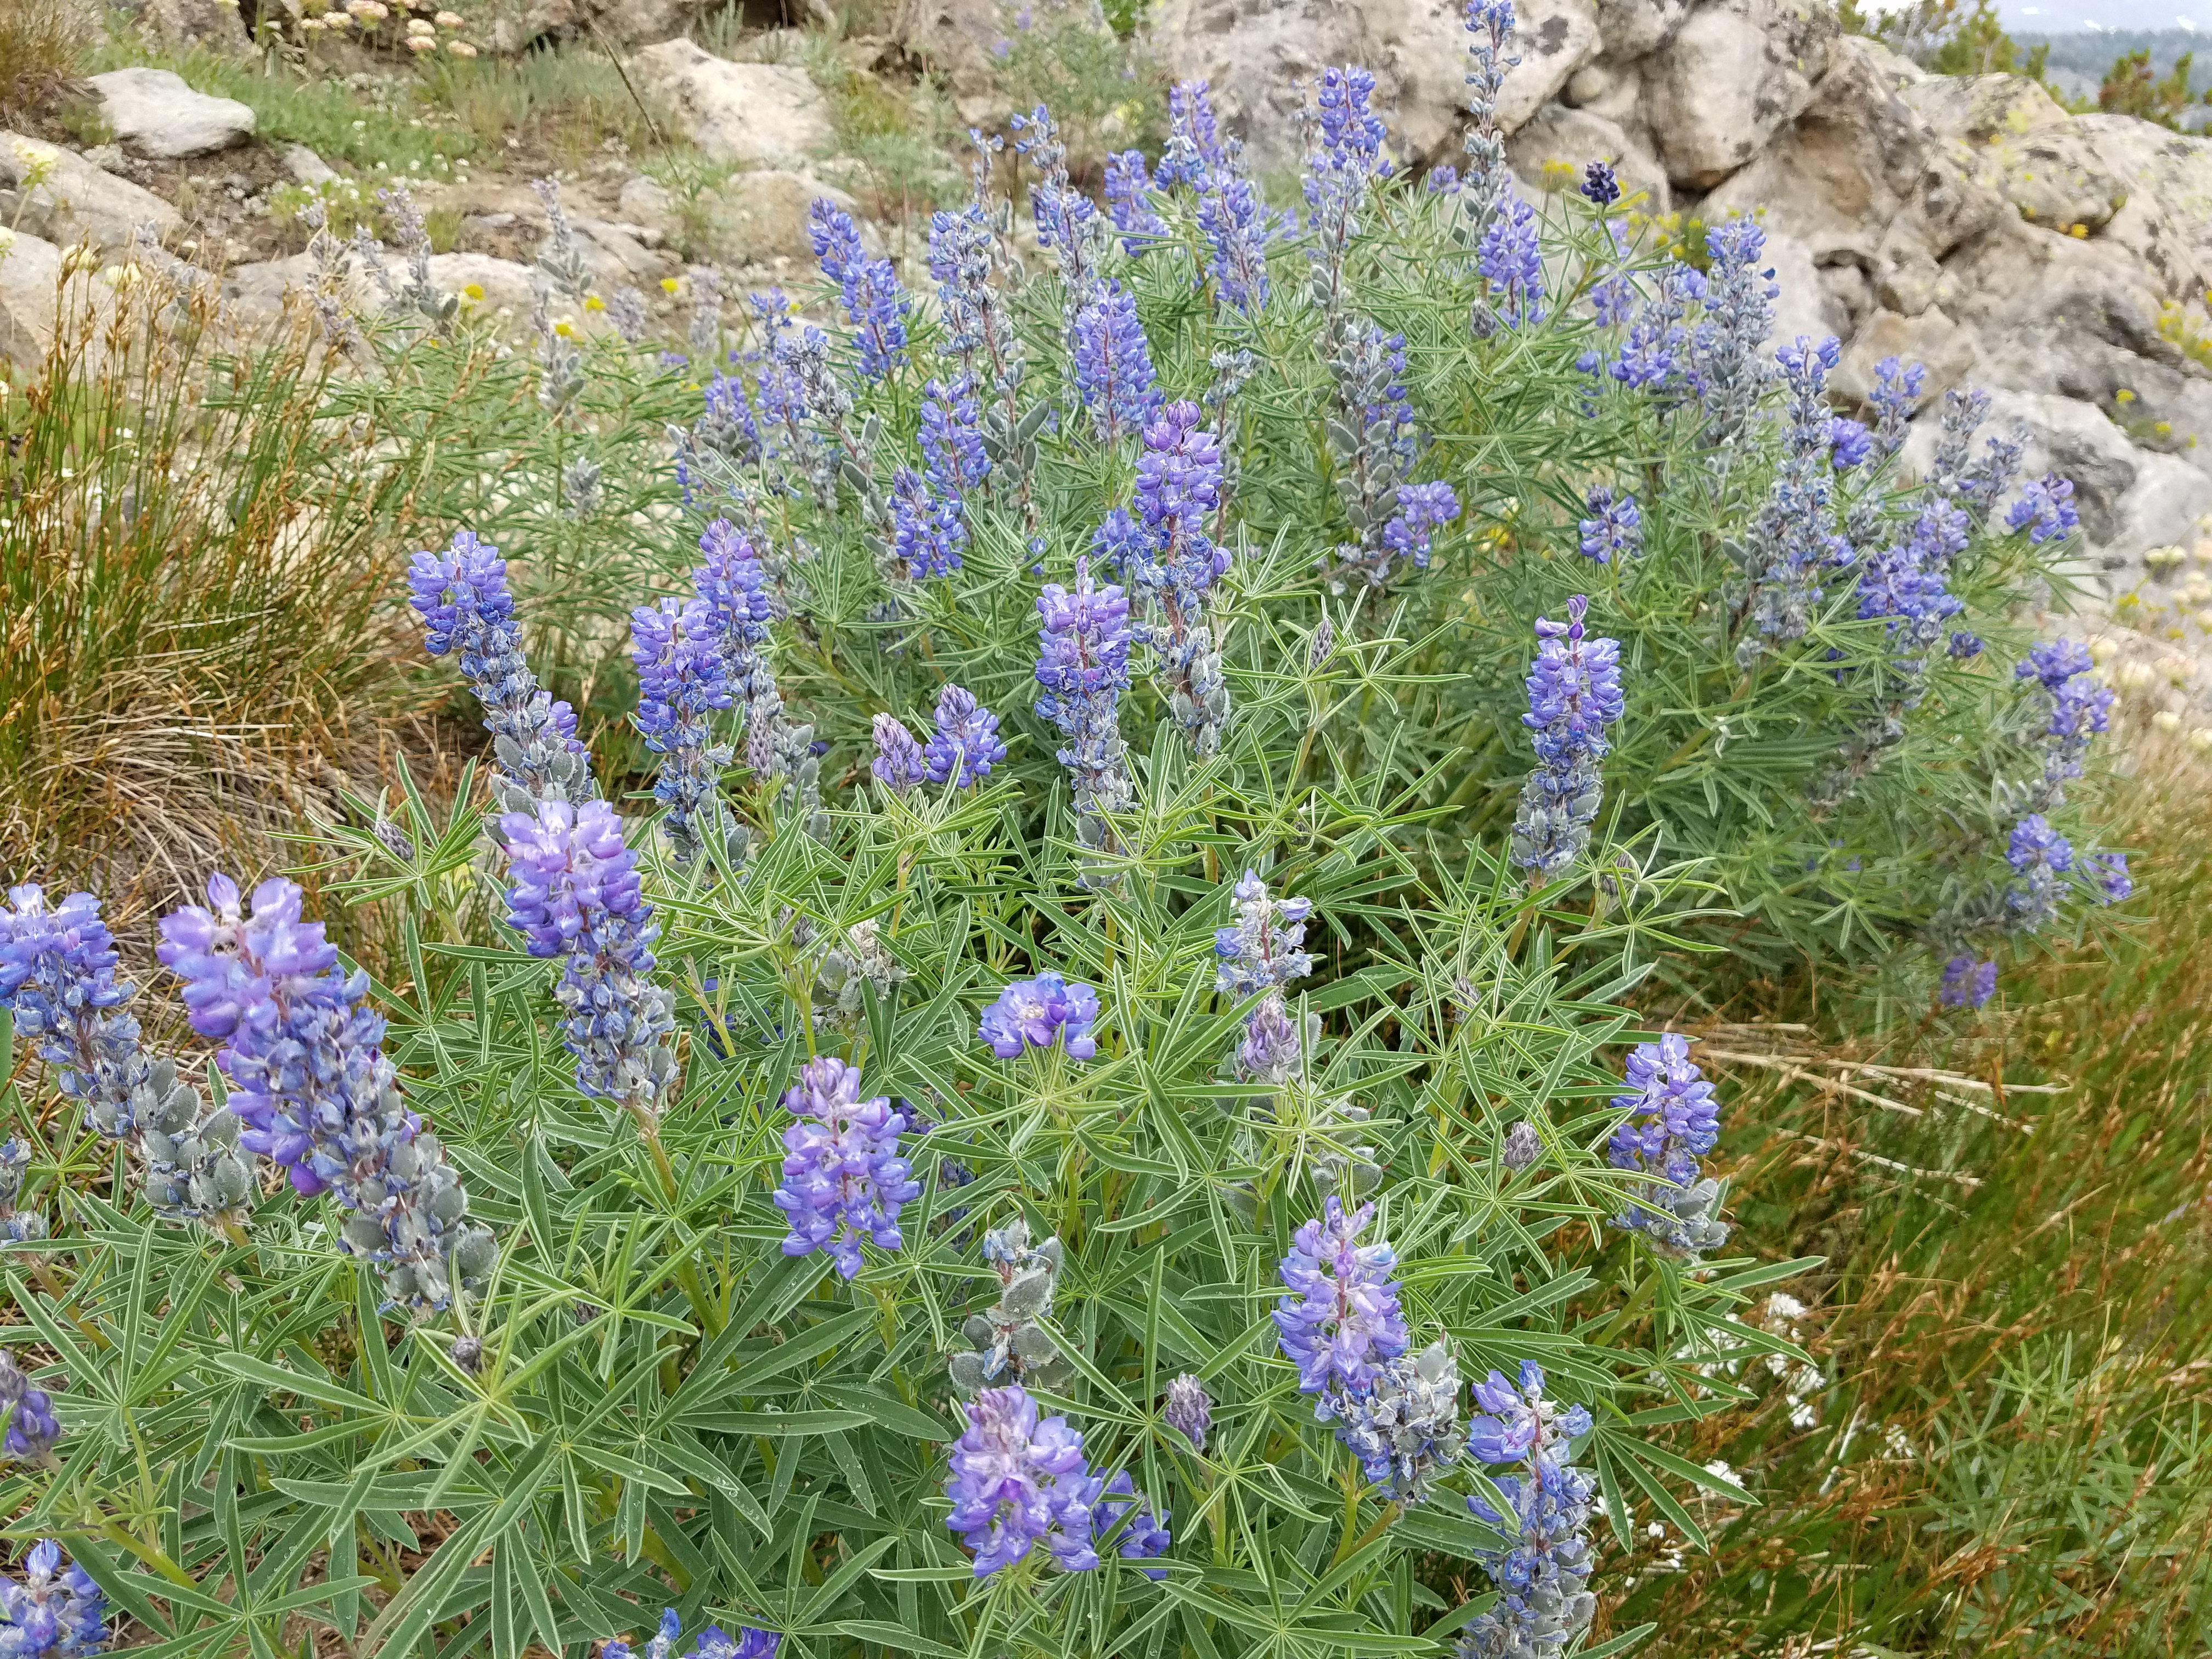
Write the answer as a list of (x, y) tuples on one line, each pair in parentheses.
[(2054, 16)]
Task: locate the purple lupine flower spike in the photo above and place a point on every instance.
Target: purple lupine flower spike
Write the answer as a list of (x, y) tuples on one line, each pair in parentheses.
[(1340, 1319), (1850, 443), (1896, 390), (462, 596), (2080, 706), (953, 456), (51, 1614), (1574, 695), (1195, 146), (874, 303), (2046, 510), (1375, 442), (310, 1080), (1189, 1412), (1259, 957), (928, 531), (1405, 1430), (577, 896), (1513, 265), (1067, 222), (1725, 372), (29, 1412), (1491, 24), (1171, 564), (1541, 1604), (1967, 983), (683, 678), (1043, 1013), (734, 582), (1016, 1482), (1794, 541), (898, 765), (1614, 530), (712, 1643), (1423, 509), (2108, 874), (843, 1179), (1343, 161), (2039, 855), (1147, 1537), (1127, 192), (1083, 665), (1675, 1121), (1113, 363), (57, 976), (965, 745)]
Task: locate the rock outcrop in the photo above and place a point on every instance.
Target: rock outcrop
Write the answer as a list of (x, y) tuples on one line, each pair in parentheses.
[(76, 202), (759, 115), (153, 112)]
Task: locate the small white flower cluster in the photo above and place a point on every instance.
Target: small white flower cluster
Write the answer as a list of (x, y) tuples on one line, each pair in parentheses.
[(1800, 1381), (419, 34)]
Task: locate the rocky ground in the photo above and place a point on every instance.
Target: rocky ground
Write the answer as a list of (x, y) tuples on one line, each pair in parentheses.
[(2060, 261)]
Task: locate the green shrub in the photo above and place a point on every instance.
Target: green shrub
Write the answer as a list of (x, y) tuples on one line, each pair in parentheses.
[(1278, 892)]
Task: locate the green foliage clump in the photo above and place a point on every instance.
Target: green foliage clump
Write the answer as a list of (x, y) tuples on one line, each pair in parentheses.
[(1394, 415), (2132, 87), (1947, 36)]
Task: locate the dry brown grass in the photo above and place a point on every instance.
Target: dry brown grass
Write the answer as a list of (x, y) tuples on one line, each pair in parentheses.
[(2013, 1449), (43, 46), (197, 635)]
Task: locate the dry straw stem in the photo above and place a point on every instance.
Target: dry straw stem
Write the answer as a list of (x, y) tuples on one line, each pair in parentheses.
[(2012, 1452), (196, 566)]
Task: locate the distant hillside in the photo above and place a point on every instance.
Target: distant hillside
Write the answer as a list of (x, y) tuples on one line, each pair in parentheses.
[(2080, 57)]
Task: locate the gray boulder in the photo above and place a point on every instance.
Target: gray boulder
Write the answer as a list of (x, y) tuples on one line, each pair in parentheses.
[(1261, 61), (1866, 183), (77, 202), (218, 24), (1734, 73), (757, 114), (1571, 138), (153, 112)]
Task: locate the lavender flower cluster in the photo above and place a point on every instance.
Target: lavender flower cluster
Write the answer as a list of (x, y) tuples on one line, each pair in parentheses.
[(1376, 441), (309, 1079), (683, 678), (1167, 560), (58, 978), (2064, 705), (712, 1643), (1083, 665), (29, 1427), (1045, 1012), (576, 895), (843, 1178), (1574, 696), (1794, 540), (1673, 1122), (462, 598), (1260, 956), (1019, 1479), (1542, 1576), (55, 1612)]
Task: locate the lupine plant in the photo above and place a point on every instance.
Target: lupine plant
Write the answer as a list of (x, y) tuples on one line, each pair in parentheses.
[(1009, 1120)]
